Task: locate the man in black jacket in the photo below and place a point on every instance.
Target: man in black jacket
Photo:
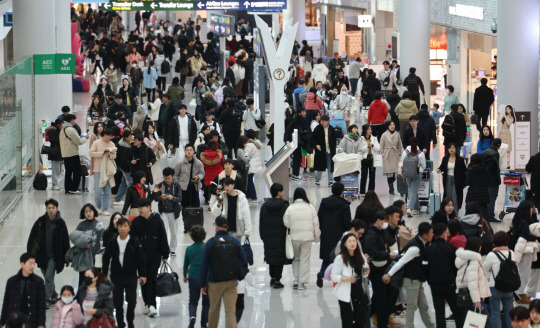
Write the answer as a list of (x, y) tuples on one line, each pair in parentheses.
[(125, 255), (143, 158), (413, 263), (491, 161), (371, 84), (441, 276), (483, 99), (414, 84), (181, 130), (533, 167), (150, 230), (118, 106), (376, 246), (299, 123), (426, 123), (457, 130), (323, 135), (48, 243), (124, 156), (25, 293), (334, 219), (231, 119), (414, 131), (229, 73)]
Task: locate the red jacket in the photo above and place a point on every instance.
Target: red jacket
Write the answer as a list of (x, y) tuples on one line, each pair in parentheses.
[(310, 104), (458, 241), (213, 164), (378, 111)]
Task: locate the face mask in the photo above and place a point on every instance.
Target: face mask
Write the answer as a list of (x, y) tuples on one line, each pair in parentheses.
[(111, 67), (67, 300), (88, 281), (384, 225), (134, 65)]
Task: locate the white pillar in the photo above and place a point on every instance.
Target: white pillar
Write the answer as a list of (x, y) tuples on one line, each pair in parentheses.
[(372, 9), (414, 39), (38, 33), (296, 9), (517, 59)]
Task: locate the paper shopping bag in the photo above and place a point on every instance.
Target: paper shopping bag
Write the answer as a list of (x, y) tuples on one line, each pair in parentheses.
[(475, 320)]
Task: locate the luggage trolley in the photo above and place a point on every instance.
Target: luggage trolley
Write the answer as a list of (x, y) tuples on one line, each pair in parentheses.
[(352, 186), (424, 189), (516, 188)]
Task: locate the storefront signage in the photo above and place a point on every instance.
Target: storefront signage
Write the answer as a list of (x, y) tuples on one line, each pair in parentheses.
[(149, 5), (365, 21), (522, 132), (473, 12), (54, 64)]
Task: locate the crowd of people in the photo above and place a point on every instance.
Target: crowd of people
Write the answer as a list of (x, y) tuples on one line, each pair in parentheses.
[(145, 147)]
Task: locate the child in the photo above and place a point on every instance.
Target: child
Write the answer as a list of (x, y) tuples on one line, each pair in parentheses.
[(67, 312), (534, 309), (192, 271), (436, 115)]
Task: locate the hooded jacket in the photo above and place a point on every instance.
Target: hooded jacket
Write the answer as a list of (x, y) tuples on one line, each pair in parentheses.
[(426, 123), (405, 109), (73, 318), (349, 145), (319, 72), (151, 232), (334, 219), (377, 113), (54, 138), (477, 179), (253, 150), (313, 102), (491, 160), (273, 231), (301, 218), (172, 133), (213, 164), (124, 155), (182, 170), (472, 277)]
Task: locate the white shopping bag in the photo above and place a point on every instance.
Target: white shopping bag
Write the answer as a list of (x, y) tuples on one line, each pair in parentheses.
[(475, 319)]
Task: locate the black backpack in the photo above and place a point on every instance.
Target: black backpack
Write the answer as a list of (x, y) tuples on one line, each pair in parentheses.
[(339, 132), (507, 280), (165, 67), (178, 66), (448, 126), (40, 181), (225, 261)]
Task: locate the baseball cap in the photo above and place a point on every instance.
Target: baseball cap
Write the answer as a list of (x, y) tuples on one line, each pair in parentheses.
[(221, 222), (497, 142)]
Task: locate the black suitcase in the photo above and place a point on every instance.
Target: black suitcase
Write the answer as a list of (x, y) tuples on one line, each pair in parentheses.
[(40, 181), (192, 216)]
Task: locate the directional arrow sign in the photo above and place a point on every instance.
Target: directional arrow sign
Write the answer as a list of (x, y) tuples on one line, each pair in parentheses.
[(149, 5), (252, 5), (160, 5)]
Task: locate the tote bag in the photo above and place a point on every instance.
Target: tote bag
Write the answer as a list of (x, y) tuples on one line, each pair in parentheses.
[(475, 319), (289, 251)]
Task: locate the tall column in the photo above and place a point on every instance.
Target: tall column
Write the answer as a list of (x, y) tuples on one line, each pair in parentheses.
[(517, 60), (296, 9), (38, 33), (372, 37), (414, 39)]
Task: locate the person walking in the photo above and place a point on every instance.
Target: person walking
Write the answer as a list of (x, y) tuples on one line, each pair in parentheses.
[(192, 273), (48, 243), (482, 101), (370, 149), (377, 113), (95, 295), (454, 172), (181, 131), (25, 293), (454, 129), (70, 140), (334, 220), (53, 132), (67, 312), (103, 151), (213, 161), (189, 172), (232, 204), (124, 157), (427, 125), (477, 178), (301, 218), (354, 74), (450, 99), (125, 257), (414, 163), (414, 131), (273, 233), (391, 149), (150, 230), (387, 78), (150, 77), (93, 228), (441, 276), (414, 84), (324, 139), (231, 120), (404, 110), (222, 261), (143, 158), (350, 144), (491, 161), (533, 167)]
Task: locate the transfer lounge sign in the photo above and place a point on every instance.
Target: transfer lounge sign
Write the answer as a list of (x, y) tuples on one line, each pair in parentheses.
[(54, 64)]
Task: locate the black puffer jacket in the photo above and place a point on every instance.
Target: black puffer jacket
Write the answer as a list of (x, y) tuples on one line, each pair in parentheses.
[(35, 298), (477, 179), (104, 301), (334, 219), (124, 156), (151, 232), (375, 245), (491, 160), (273, 231), (426, 123), (54, 139)]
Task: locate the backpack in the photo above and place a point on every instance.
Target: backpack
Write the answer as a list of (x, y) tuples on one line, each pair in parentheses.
[(225, 261), (302, 97), (177, 66), (410, 165), (40, 181), (448, 127), (339, 132), (507, 280), (165, 67)]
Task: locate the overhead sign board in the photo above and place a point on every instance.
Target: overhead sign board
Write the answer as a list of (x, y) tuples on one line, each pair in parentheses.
[(149, 5), (161, 5), (54, 64), (252, 5), (222, 25)]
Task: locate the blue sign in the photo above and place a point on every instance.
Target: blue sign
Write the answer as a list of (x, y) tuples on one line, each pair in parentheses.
[(8, 19), (249, 5)]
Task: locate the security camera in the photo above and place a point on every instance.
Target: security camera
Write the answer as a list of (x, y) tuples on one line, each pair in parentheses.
[(494, 26)]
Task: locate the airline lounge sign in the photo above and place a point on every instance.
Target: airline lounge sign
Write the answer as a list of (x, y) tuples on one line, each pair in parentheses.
[(251, 5), (54, 64)]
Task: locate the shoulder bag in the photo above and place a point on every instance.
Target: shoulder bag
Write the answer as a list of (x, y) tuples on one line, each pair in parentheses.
[(289, 251), (463, 295)]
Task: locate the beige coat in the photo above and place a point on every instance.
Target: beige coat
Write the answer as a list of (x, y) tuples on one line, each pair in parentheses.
[(97, 152), (391, 151), (405, 109), (303, 221), (70, 141), (107, 172)]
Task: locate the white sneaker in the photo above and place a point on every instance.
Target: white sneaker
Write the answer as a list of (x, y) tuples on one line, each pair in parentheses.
[(409, 213), (415, 212), (55, 187), (105, 213), (295, 284), (301, 286), (120, 203), (152, 312), (145, 311)]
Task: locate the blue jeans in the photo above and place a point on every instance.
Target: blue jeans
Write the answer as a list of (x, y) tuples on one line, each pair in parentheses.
[(194, 295), (101, 193), (354, 84), (126, 182), (251, 191), (496, 298), (413, 203), (328, 169), (486, 310)]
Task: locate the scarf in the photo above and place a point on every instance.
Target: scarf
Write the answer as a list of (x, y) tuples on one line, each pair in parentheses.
[(353, 136)]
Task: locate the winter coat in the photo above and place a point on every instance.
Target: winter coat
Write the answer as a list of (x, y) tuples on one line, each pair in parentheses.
[(348, 145), (391, 151), (393, 99), (35, 298), (460, 172), (458, 241), (197, 64), (376, 247), (131, 93), (301, 218), (231, 118), (405, 109), (492, 264), (319, 72), (491, 161), (342, 289), (213, 164), (273, 231), (176, 92), (483, 144), (483, 99), (80, 256), (426, 123), (377, 113), (124, 156), (144, 155), (134, 259), (73, 318), (334, 219), (70, 141), (460, 128), (133, 197), (533, 166), (318, 138), (94, 228), (527, 242), (243, 216), (440, 217), (97, 152), (477, 178), (152, 235), (38, 247), (346, 107), (253, 149), (54, 138), (474, 276), (172, 134), (249, 117), (441, 269), (104, 301), (149, 79), (313, 102), (182, 170), (526, 247), (423, 141), (375, 147)]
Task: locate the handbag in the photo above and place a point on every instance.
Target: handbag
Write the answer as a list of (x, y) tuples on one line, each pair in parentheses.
[(105, 321), (289, 251), (167, 283), (377, 160), (475, 319), (47, 150), (474, 118), (310, 160), (463, 295), (260, 123), (248, 251)]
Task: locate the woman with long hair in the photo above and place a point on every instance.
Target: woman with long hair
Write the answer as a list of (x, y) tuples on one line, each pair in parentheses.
[(370, 148), (138, 190), (445, 213), (485, 140), (454, 170), (95, 295), (95, 112), (413, 205), (505, 134), (351, 287), (302, 220), (149, 81), (391, 148), (310, 82), (368, 207), (457, 235)]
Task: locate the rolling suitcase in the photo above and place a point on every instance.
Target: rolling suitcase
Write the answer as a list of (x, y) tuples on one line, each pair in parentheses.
[(192, 216), (434, 201)]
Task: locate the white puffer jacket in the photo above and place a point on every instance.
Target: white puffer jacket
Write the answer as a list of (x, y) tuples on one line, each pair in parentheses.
[(319, 72), (303, 221), (527, 247), (253, 150), (492, 265), (243, 216), (475, 277)]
